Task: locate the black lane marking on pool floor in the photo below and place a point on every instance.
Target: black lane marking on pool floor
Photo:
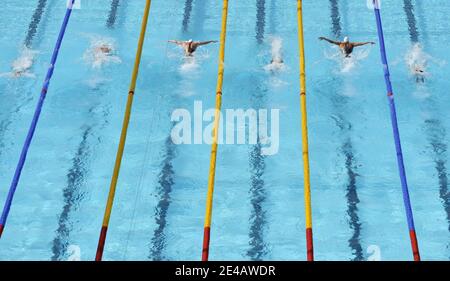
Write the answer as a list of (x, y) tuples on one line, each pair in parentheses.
[(35, 20), (166, 180), (335, 19), (187, 14), (257, 220), (258, 248), (353, 201), (72, 196), (436, 134), (260, 20), (112, 16), (411, 19)]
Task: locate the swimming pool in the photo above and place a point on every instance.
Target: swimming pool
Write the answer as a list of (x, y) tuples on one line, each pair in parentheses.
[(357, 206)]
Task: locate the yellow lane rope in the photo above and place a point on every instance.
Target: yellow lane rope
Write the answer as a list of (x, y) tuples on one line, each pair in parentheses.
[(212, 167), (123, 135), (305, 150)]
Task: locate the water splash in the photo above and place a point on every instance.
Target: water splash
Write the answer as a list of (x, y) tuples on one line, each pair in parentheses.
[(347, 64), (96, 81), (191, 65), (417, 61), (22, 65), (276, 83), (421, 91), (95, 56), (277, 63)]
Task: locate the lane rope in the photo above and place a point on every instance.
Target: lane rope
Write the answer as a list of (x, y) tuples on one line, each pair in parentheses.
[(37, 113), (398, 147), (212, 168), (305, 147), (123, 136)]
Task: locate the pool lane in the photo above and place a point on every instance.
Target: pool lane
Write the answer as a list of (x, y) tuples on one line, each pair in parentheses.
[(347, 149), (74, 193)]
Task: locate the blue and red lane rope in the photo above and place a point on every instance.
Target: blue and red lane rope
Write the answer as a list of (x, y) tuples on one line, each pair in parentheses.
[(37, 113), (398, 147)]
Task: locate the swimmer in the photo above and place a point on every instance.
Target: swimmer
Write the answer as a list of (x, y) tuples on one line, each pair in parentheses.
[(276, 64), (22, 65), (276, 60), (190, 46), (101, 52), (346, 46), (18, 73), (419, 73), (104, 49)]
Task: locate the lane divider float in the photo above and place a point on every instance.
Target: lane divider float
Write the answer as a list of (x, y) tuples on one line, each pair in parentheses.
[(398, 147), (37, 114), (123, 136), (305, 147), (212, 167)]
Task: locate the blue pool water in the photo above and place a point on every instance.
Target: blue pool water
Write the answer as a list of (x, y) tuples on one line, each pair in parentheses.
[(358, 211)]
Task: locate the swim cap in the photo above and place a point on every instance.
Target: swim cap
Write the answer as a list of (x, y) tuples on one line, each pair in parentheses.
[(190, 40), (346, 39)]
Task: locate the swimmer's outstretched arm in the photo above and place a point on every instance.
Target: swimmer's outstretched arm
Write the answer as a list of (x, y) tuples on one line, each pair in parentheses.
[(330, 41), (206, 42), (357, 44), (176, 42)]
